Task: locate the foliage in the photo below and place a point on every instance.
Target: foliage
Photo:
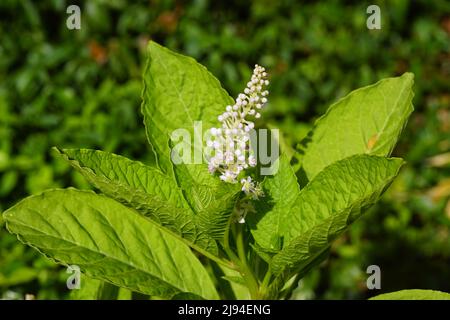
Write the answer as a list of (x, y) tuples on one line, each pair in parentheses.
[(137, 235), (413, 295), (81, 89)]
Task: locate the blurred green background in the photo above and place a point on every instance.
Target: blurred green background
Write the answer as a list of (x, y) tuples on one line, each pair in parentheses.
[(81, 88)]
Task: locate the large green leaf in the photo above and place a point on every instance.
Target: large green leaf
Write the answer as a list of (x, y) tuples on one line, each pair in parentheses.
[(413, 294), (110, 242), (329, 204), (270, 222), (119, 176), (178, 91), (368, 120), (142, 187)]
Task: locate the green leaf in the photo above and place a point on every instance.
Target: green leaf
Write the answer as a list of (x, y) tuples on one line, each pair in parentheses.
[(142, 187), (329, 204), (368, 120), (265, 254), (110, 242), (280, 288), (270, 222), (235, 279), (413, 294), (216, 217), (177, 92), (121, 177)]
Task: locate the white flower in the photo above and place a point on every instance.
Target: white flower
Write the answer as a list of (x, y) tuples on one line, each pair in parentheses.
[(252, 161), (228, 176), (231, 144), (251, 188), (246, 184)]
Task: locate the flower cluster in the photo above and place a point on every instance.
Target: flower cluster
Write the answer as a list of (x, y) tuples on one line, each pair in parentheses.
[(231, 142)]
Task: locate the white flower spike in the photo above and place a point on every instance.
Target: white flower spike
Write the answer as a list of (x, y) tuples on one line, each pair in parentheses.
[(231, 142)]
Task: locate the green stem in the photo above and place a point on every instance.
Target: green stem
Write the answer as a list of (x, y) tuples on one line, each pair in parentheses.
[(263, 289), (246, 272), (267, 278)]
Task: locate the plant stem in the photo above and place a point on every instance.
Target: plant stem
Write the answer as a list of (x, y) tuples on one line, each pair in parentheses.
[(240, 260), (246, 272), (267, 278), (263, 288)]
